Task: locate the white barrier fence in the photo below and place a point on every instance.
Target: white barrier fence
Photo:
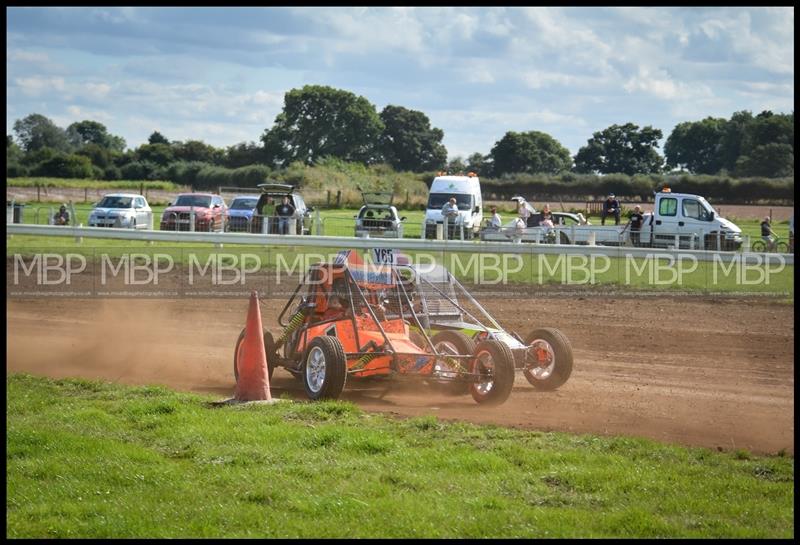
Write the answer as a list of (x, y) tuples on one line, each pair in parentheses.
[(472, 246)]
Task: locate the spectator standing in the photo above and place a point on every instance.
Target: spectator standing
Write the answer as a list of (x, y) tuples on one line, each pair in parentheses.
[(450, 214), (495, 222), (610, 207), (61, 217), (523, 211), (635, 223), (285, 212), (767, 233)]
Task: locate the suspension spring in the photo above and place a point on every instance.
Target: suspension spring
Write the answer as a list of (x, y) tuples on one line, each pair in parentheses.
[(294, 323)]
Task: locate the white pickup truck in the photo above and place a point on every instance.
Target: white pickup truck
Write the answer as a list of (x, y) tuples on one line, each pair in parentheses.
[(679, 220)]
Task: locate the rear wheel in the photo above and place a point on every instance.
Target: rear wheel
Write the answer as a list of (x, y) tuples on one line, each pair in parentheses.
[(269, 349), (324, 368), (454, 343), (548, 359), (495, 364), (758, 246)]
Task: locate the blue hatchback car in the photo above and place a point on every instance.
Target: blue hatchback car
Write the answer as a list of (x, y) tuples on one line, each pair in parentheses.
[(240, 213)]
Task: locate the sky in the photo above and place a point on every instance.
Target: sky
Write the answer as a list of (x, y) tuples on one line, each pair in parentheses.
[(220, 74)]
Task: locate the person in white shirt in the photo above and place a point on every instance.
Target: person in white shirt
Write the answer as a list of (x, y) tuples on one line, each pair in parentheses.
[(524, 213), (450, 213), (495, 222)]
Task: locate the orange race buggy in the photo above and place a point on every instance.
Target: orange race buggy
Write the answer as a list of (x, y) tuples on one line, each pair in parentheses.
[(350, 319)]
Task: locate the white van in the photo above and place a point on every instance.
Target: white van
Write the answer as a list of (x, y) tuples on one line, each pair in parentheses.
[(467, 192)]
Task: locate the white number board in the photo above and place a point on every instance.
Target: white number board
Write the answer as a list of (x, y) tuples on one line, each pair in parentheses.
[(384, 256)]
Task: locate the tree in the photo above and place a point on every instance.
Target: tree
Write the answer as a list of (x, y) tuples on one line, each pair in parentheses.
[(64, 165), (157, 138), (408, 142), (530, 152), (479, 164), (772, 160), (158, 154), (36, 131), (196, 150), (87, 132), (319, 121), (733, 138), (621, 149), (696, 146), (456, 166), (244, 154)]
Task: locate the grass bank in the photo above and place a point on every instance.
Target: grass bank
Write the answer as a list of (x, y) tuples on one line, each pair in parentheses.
[(92, 459)]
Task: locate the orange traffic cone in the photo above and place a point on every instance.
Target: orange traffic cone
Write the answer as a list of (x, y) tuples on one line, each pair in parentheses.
[(251, 360)]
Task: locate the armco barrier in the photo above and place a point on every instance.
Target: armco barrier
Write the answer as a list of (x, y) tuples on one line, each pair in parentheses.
[(472, 246)]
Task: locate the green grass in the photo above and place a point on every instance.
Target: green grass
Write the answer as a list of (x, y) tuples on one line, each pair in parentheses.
[(532, 269), (92, 459), (76, 183)]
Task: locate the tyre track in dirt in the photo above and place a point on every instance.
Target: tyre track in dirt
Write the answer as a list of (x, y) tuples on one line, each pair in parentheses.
[(708, 372)]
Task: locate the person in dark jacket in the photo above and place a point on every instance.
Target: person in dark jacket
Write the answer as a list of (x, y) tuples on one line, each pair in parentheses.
[(610, 207), (62, 216), (285, 212), (635, 223)]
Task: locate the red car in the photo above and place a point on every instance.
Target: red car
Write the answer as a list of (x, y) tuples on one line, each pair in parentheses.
[(209, 211)]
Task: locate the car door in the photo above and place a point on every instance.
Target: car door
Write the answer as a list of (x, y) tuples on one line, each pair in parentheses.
[(140, 210), (693, 222), (666, 222)]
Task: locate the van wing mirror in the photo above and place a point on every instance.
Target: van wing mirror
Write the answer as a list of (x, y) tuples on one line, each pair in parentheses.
[(711, 216), (477, 209)]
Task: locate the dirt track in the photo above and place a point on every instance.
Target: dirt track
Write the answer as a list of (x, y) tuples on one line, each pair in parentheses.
[(695, 371)]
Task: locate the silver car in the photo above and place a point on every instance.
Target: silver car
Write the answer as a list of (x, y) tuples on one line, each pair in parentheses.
[(122, 210), (377, 217)]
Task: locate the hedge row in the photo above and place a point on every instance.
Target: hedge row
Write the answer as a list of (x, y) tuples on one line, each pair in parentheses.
[(641, 187)]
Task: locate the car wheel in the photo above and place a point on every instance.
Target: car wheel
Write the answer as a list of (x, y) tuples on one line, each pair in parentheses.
[(324, 368), (548, 359), (269, 349), (495, 365), (454, 343)]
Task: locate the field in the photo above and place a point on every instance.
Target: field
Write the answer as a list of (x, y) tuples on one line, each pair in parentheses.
[(91, 459), (676, 422)]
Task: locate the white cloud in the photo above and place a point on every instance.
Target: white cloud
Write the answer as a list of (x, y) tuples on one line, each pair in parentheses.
[(36, 86), (661, 85), (19, 55)]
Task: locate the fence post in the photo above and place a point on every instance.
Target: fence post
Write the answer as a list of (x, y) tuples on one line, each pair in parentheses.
[(317, 221), (74, 217), (719, 242), (191, 218), (265, 224), (38, 193), (328, 199), (85, 194), (141, 188), (339, 199)]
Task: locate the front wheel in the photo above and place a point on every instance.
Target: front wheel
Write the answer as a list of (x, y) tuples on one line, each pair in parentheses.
[(495, 365), (548, 359), (324, 368), (454, 343), (781, 247), (269, 349)]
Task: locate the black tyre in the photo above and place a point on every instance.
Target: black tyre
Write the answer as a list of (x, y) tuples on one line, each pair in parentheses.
[(563, 238), (758, 246), (495, 363), (549, 360), (781, 247), (269, 348), (457, 344), (324, 368)]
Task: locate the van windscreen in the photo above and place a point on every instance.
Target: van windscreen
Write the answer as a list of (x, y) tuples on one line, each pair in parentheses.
[(438, 200)]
